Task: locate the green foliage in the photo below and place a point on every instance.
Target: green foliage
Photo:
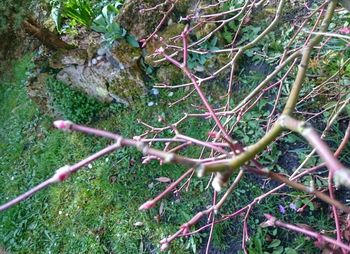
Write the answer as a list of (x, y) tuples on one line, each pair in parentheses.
[(95, 211), (13, 13), (232, 4), (73, 104), (106, 23), (78, 11), (86, 13), (198, 61)]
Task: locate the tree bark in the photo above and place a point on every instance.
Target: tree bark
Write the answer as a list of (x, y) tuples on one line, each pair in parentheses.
[(48, 38)]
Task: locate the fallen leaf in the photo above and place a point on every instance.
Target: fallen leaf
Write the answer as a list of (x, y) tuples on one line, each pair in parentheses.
[(138, 224), (163, 179), (161, 209), (157, 218)]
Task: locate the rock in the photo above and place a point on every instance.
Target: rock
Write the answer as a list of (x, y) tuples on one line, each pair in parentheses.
[(127, 85), (126, 55), (155, 91), (117, 79), (85, 79), (169, 74), (63, 58), (138, 23), (168, 33), (102, 51)]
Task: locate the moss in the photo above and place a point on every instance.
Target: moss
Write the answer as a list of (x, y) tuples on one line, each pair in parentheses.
[(127, 87), (205, 30), (183, 6), (168, 33), (65, 57), (126, 54), (139, 24), (169, 74)]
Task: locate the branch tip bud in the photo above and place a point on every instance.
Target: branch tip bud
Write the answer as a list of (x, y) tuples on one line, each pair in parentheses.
[(200, 170), (217, 184), (169, 158), (271, 221), (164, 246), (148, 205), (63, 124), (61, 174)]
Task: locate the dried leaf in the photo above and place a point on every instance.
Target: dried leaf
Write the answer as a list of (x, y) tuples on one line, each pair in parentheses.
[(138, 224), (163, 179), (346, 234), (161, 209), (157, 218)]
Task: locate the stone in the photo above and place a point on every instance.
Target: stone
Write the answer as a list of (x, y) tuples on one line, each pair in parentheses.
[(102, 51), (155, 91), (63, 58), (126, 55), (169, 32), (139, 23), (118, 78), (169, 74)]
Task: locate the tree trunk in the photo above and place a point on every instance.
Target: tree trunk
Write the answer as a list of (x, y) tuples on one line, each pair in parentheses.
[(47, 38)]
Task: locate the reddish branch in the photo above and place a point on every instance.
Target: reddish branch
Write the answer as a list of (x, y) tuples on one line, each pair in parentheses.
[(226, 155), (165, 16), (321, 239), (64, 172)]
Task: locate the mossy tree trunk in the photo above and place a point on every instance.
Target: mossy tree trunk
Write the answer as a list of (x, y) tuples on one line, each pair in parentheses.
[(46, 37)]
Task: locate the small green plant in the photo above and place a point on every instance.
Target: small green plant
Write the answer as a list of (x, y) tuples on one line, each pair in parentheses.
[(105, 23), (73, 104), (78, 11), (197, 61)]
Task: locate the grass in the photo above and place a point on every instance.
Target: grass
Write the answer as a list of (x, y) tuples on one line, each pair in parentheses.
[(96, 210), (93, 212)]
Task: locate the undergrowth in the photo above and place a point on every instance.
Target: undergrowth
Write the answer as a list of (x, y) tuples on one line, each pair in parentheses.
[(97, 210)]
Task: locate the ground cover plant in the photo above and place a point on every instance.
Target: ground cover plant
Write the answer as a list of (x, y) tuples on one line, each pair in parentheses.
[(251, 156)]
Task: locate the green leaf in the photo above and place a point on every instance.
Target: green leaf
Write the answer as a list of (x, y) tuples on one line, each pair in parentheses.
[(132, 41), (99, 25), (109, 12), (278, 250), (290, 251), (274, 243), (56, 16), (115, 31)]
